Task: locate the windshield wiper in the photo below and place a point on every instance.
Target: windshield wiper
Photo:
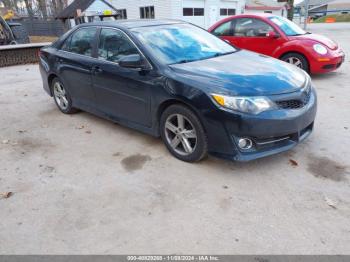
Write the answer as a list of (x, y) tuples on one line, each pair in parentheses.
[(183, 61), (221, 54)]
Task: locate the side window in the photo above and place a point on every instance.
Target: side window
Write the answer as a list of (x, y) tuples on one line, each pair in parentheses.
[(251, 27), (66, 44), (114, 44), (223, 29), (82, 41)]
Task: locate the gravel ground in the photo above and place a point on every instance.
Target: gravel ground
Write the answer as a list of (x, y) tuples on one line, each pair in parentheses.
[(83, 185)]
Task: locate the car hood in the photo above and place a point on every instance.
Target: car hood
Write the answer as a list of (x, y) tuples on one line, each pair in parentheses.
[(318, 38), (241, 73)]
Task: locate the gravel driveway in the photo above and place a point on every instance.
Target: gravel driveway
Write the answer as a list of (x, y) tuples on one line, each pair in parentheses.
[(82, 184)]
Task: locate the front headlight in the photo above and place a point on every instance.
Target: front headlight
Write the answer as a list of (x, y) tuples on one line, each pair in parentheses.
[(246, 104), (320, 49)]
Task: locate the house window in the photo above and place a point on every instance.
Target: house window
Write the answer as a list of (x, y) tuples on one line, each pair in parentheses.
[(198, 11), (122, 14), (231, 11), (227, 11), (147, 12), (189, 11)]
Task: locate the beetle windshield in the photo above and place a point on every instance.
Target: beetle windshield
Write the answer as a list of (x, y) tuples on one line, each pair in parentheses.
[(181, 43), (287, 26)]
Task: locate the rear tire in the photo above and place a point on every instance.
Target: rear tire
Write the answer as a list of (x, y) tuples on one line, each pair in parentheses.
[(183, 133), (297, 60), (61, 97)]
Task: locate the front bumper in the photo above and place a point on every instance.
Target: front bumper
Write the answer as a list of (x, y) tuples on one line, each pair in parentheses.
[(272, 132), (330, 62)]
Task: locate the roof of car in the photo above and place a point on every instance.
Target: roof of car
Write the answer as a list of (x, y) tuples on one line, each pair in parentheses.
[(136, 23)]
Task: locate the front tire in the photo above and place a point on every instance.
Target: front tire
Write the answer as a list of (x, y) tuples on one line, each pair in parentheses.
[(183, 133), (62, 97), (296, 59)]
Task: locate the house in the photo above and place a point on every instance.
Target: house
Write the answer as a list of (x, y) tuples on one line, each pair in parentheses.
[(266, 6), (203, 13), (316, 8), (84, 11), (338, 7)]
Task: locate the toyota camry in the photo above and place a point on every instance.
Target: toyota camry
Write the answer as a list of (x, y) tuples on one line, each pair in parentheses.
[(175, 80)]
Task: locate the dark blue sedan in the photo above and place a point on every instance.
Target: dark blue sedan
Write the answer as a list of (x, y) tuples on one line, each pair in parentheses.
[(175, 80)]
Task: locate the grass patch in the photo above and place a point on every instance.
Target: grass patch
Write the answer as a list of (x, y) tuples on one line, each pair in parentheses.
[(41, 39), (338, 18)]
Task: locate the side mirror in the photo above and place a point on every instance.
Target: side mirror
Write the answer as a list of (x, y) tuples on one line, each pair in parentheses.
[(272, 35), (133, 61)]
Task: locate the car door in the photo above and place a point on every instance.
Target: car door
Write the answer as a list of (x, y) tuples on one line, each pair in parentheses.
[(121, 93), (74, 62), (252, 34)]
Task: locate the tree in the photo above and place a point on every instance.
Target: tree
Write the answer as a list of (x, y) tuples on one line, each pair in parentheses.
[(290, 13), (29, 8)]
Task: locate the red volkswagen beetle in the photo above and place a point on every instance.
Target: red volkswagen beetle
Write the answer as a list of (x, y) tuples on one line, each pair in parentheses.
[(280, 38)]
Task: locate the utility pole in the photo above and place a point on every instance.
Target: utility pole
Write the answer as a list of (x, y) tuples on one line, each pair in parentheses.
[(306, 13)]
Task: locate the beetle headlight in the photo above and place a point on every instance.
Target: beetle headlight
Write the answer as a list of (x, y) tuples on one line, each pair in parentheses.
[(320, 49), (246, 104)]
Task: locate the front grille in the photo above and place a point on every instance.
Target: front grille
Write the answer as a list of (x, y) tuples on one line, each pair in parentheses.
[(295, 103), (290, 104)]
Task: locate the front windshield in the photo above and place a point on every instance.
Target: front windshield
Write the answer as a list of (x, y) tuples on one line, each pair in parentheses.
[(181, 43), (287, 26)]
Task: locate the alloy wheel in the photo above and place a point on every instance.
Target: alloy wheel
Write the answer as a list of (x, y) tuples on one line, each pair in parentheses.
[(294, 61), (60, 96), (180, 134)]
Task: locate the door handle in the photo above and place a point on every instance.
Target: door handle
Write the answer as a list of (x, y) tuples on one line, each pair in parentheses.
[(96, 70)]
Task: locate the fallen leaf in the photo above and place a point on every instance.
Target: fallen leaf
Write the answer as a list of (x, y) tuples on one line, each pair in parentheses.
[(330, 202), (80, 127), (88, 132), (293, 162), (22, 131), (6, 194)]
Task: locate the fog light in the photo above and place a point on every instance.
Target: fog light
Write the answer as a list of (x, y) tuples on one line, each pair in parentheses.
[(245, 143)]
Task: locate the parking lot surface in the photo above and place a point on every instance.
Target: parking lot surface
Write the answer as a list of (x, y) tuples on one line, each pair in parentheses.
[(83, 185)]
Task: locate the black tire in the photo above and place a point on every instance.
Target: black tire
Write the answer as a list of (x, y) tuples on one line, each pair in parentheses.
[(304, 64), (20, 34), (200, 146), (69, 109)]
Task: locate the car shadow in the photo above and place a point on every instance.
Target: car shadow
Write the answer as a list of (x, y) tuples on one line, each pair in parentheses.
[(327, 76), (211, 163)]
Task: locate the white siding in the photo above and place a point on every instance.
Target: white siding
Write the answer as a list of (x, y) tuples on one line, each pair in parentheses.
[(275, 12), (161, 7), (197, 20), (173, 9)]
